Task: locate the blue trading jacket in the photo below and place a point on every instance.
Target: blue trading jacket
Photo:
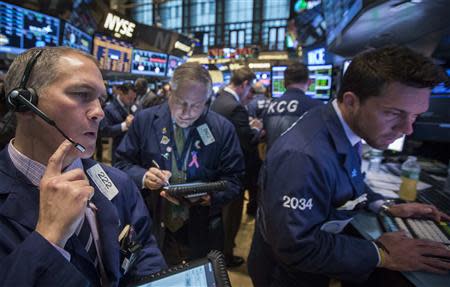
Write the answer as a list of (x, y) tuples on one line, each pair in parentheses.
[(149, 138), (310, 172), (27, 259), (282, 112), (111, 125)]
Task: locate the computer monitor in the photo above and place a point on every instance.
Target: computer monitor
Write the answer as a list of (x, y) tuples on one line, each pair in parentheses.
[(149, 63), (173, 63), (76, 38), (22, 29), (321, 78), (264, 77), (442, 89), (112, 54), (278, 88)]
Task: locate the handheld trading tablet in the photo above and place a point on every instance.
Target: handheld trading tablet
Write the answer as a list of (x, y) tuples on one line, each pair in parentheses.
[(195, 189), (206, 272)]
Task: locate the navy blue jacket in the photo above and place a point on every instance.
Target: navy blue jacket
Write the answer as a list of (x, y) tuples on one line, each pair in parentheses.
[(27, 259), (307, 176), (282, 112), (111, 125), (220, 160)]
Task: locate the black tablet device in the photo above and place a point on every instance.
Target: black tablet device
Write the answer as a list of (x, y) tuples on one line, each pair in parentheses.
[(206, 272), (195, 189)]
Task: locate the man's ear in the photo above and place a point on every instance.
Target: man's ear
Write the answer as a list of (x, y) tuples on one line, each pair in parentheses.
[(350, 101)]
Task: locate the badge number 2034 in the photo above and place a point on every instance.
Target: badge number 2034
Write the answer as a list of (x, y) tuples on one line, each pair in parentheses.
[(297, 203)]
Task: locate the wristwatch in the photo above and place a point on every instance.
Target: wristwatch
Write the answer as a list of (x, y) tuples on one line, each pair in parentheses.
[(386, 206)]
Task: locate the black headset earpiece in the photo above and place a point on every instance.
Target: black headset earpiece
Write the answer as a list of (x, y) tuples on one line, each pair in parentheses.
[(28, 94)]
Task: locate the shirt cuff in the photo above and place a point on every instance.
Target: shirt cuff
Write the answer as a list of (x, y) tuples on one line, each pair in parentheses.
[(375, 206), (62, 251), (378, 254), (123, 126), (143, 181)]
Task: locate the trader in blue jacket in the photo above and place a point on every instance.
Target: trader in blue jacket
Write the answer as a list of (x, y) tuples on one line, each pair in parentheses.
[(183, 141), (118, 116), (282, 112), (312, 182), (61, 213)]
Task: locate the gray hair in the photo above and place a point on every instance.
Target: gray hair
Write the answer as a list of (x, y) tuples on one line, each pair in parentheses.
[(192, 72), (45, 70)]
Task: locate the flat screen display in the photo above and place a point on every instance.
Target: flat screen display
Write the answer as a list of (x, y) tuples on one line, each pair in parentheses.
[(21, 29), (76, 38), (442, 89), (149, 63), (173, 63), (201, 276), (112, 54), (278, 88), (321, 77)]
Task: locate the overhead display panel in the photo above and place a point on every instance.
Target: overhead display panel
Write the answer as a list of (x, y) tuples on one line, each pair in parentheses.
[(21, 29), (113, 55), (76, 38), (149, 63)]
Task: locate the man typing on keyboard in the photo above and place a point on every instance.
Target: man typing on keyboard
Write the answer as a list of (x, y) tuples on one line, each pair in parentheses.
[(312, 184)]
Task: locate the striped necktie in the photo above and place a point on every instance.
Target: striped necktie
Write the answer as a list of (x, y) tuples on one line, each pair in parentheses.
[(87, 241)]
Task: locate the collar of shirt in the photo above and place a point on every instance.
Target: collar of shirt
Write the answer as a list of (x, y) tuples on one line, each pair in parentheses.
[(122, 104), (351, 136), (32, 169), (232, 92)]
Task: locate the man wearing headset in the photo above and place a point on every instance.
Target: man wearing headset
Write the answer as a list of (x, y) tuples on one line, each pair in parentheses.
[(182, 141), (61, 213)]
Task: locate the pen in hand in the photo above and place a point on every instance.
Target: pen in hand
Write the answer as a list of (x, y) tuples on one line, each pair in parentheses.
[(155, 164)]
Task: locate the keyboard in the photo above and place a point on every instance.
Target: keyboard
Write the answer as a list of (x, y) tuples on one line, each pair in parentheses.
[(195, 189), (418, 228), (435, 197)]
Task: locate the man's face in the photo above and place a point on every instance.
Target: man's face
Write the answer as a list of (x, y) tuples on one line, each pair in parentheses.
[(187, 103), (72, 101), (381, 120), (129, 98)]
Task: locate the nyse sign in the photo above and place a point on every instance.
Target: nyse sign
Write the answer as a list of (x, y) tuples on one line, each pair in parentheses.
[(118, 26)]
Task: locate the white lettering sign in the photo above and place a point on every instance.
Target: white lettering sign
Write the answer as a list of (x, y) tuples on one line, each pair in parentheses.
[(121, 27)]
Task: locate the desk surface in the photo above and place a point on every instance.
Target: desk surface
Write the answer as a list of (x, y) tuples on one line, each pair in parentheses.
[(368, 225)]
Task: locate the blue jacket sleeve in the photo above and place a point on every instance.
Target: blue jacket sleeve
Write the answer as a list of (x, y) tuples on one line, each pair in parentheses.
[(297, 201), (150, 259), (231, 167), (35, 262), (109, 126), (129, 154)]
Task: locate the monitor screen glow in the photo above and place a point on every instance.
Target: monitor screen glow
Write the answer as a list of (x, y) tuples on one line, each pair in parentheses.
[(321, 77), (76, 38), (278, 88), (112, 54), (173, 63), (22, 29), (149, 63)]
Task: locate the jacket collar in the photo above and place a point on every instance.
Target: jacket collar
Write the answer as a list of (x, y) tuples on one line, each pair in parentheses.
[(22, 206), (347, 154)]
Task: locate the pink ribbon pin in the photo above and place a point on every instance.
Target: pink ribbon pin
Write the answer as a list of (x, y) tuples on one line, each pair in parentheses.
[(194, 160)]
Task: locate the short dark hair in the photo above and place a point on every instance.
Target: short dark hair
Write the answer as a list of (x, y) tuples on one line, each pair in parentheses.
[(296, 73), (141, 85), (241, 75), (126, 87), (371, 71)]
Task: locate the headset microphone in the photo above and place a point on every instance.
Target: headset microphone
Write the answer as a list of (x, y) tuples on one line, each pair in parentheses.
[(18, 98), (24, 99)]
